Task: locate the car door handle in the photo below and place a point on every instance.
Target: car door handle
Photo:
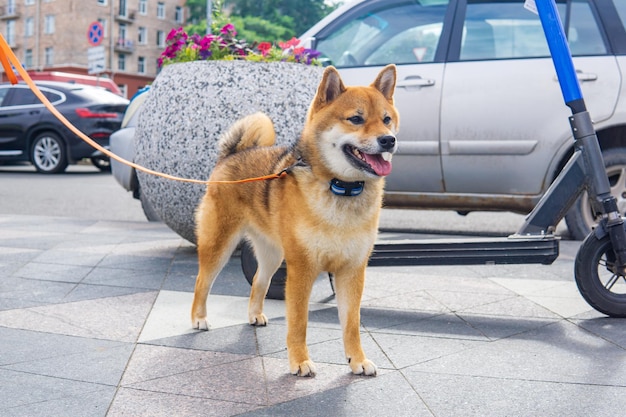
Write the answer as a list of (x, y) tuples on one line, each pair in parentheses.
[(415, 81), (583, 76), (34, 112), (586, 76)]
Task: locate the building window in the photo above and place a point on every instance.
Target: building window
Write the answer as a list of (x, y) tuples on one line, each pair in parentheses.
[(143, 6), (121, 34), (102, 2), (49, 24), (179, 14), (105, 30), (49, 56), (160, 39), (10, 33), (142, 35), (28, 58), (29, 27), (161, 10), (141, 65), (121, 62), (29, 2), (11, 8), (123, 10)]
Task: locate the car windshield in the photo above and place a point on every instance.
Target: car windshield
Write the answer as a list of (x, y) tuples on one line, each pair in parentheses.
[(405, 34)]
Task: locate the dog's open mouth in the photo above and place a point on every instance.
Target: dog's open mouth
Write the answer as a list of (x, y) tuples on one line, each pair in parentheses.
[(379, 163)]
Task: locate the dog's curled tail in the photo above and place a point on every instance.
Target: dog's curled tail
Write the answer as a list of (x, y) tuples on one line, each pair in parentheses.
[(256, 129)]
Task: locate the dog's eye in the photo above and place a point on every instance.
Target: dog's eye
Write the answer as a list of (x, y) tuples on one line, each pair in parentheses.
[(387, 120), (356, 120)]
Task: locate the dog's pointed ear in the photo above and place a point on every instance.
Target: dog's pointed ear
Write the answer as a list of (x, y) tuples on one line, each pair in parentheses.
[(386, 82), (329, 89)]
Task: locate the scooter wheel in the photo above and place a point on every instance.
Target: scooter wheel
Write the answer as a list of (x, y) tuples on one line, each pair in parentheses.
[(596, 277)]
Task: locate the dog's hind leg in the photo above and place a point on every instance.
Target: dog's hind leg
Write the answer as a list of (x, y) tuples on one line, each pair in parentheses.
[(217, 239), (269, 257), (349, 286)]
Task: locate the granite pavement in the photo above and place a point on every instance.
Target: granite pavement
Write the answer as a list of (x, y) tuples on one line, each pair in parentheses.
[(94, 321)]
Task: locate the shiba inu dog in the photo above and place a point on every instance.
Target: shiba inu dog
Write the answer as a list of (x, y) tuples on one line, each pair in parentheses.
[(321, 216)]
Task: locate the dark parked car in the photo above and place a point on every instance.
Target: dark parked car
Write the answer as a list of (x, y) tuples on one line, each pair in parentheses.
[(29, 132)]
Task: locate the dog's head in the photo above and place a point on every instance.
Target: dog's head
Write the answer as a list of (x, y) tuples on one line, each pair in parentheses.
[(355, 127)]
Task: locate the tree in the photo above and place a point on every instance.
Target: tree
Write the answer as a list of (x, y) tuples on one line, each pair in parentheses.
[(260, 20)]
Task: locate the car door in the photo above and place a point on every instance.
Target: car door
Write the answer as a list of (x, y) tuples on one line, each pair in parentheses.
[(19, 111), (503, 123), (410, 34)]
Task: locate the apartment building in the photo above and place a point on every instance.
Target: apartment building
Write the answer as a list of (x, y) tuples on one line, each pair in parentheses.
[(56, 35)]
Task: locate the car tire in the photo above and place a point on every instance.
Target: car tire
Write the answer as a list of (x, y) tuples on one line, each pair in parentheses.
[(48, 153), (103, 163), (580, 219)]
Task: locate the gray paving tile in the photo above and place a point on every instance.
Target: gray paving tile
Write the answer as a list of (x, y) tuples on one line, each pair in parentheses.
[(559, 352), (440, 325), (387, 395), (467, 395), (101, 365), (82, 292), (119, 277), (53, 272), (18, 389), (153, 362), (239, 339), (34, 290), (132, 403), (610, 329), (115, 318), (405, 350), (18, 346), (84, 404)]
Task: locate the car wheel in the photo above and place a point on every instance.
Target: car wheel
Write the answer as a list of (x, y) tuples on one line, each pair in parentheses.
[(580, 218), (103, 163), (49, 154)]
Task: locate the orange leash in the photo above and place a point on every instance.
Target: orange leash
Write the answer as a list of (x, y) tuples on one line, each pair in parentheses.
[(7, 57)]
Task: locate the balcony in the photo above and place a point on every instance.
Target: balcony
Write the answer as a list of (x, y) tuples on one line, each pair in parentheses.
[(8, 13), (127, 16), (125, 46)]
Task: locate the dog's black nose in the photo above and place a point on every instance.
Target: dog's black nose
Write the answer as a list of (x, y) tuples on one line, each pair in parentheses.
[(387, 142)]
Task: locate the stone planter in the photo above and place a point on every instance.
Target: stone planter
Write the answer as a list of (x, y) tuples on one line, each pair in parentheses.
[(190, 105)]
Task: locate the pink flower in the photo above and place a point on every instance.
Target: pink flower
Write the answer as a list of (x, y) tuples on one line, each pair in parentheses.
[(229, 29), (293, 42)]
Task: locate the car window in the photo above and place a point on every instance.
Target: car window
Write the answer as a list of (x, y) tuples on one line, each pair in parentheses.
[(505, 30), (402, 34), (620, 5), (23, 97), (3, 94)]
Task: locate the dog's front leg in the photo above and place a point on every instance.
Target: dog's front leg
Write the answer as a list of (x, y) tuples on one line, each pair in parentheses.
[(300, 280), (349, 287)]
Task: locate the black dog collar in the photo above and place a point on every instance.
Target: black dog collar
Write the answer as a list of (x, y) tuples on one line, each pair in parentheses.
[(347, 189)]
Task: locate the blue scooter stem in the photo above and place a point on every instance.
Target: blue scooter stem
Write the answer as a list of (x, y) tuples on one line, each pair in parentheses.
[(561, 56)]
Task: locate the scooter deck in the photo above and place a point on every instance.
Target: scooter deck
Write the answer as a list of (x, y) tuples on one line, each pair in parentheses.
[(514, 249)]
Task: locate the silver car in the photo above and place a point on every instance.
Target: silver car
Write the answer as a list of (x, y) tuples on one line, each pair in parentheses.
[(483, 124)]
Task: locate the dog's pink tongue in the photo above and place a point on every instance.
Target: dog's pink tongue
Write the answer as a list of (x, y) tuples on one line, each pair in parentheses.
[(379, 165)]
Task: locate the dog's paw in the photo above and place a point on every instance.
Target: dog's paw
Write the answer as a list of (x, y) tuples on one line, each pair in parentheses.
[(366, 367), (200, 324), (258, 319), (306, 368)]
